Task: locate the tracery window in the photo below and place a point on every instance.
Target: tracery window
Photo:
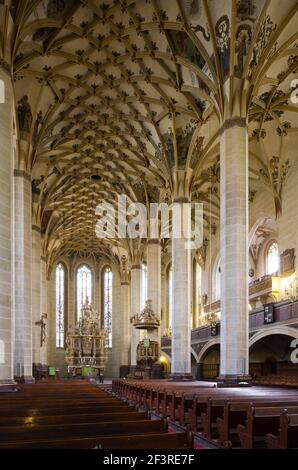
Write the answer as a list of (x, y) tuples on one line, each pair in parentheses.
[(107, 303), (84, 288), (272, 258), (60, 305)]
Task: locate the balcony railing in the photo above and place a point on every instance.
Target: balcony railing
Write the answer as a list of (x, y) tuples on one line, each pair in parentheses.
[(283, 311)]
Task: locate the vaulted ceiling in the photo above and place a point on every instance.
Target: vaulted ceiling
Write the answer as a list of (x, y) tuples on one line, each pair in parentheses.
[(112, 96)]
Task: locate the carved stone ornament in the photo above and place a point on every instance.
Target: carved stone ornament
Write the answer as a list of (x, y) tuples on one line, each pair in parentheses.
[(287, 262), (147, 320)]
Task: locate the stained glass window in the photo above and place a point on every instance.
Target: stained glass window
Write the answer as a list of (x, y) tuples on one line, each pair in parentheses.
[(84, 288), (144, 285), (107, 292), (60, 305), (272, 258)]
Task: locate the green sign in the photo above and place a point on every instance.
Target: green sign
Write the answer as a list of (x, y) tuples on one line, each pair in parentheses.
[(52, 371), (86, 371), (146, 342)]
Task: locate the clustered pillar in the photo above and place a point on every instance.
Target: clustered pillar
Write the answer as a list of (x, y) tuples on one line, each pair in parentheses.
[(6, 249), (154, 281), (234, 253), (136, 307), (23, 272), (181, 300)]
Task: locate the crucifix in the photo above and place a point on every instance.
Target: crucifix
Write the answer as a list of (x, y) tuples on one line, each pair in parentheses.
[(42, 325)]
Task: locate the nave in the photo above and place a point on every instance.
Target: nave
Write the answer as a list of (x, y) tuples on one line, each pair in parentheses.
[(74, 414), (153, 414)]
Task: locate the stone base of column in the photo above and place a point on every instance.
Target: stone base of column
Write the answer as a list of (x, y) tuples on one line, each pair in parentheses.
[(229, 381), (8, 386), (25, 379), (132, 369), (147, 373), (181, 377)]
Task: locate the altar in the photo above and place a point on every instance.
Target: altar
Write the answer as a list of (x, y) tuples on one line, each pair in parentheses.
[(86, 351)]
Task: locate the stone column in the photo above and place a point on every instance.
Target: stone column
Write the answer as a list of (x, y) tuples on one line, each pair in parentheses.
[(164, 324), (23, 299), (6, 237), (125, 315), (51, 321), (36, 293), (154, 281), (114, 357), (181, 299), (136, 289), (44, 307), (234, 360)]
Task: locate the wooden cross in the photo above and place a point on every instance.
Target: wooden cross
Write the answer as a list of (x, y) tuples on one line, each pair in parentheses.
[(42, 325)]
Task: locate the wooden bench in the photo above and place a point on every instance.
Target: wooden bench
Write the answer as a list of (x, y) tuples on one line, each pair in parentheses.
[(260, 422), (235, 412), (72, 418), (53, 432), (181, 440), (287, 437)]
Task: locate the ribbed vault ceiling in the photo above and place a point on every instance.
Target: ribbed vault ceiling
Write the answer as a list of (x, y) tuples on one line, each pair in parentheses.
[(112, 96)]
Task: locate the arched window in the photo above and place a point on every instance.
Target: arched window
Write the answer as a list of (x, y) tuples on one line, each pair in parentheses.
[(107, 303), (84, 288), (272, 258), (60, 305), (144, 285)]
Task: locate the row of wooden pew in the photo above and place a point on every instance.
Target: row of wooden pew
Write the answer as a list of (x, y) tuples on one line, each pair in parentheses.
[(76, 414), (238, 417), (277, 380)]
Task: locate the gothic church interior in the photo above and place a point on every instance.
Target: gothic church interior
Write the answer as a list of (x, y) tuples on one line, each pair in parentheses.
[(157, 103)]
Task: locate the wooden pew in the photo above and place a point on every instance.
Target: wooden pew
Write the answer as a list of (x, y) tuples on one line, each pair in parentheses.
[(234, 413), (181, 440), (287, 437), (73, 418), (27, 411), (260, 422), (54, 432)]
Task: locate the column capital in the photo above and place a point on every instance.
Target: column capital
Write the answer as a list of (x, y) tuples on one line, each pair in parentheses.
[(153, 241), (181, 200), (236, 121), (22, 174), (36, 228), (136, 266)]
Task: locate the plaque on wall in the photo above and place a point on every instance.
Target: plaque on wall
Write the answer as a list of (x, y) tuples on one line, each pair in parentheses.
[(268, 314), (214, 330), (287, 262)]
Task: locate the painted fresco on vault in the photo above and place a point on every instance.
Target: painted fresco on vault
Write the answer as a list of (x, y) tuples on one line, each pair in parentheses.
[(222, 32), (185, 47), (55, 9)]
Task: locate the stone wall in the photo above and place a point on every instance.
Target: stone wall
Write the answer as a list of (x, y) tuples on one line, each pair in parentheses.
[(6, 221)]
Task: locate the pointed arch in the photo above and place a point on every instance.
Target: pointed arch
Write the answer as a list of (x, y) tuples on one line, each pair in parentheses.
[(84, 288), (107, 303)]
